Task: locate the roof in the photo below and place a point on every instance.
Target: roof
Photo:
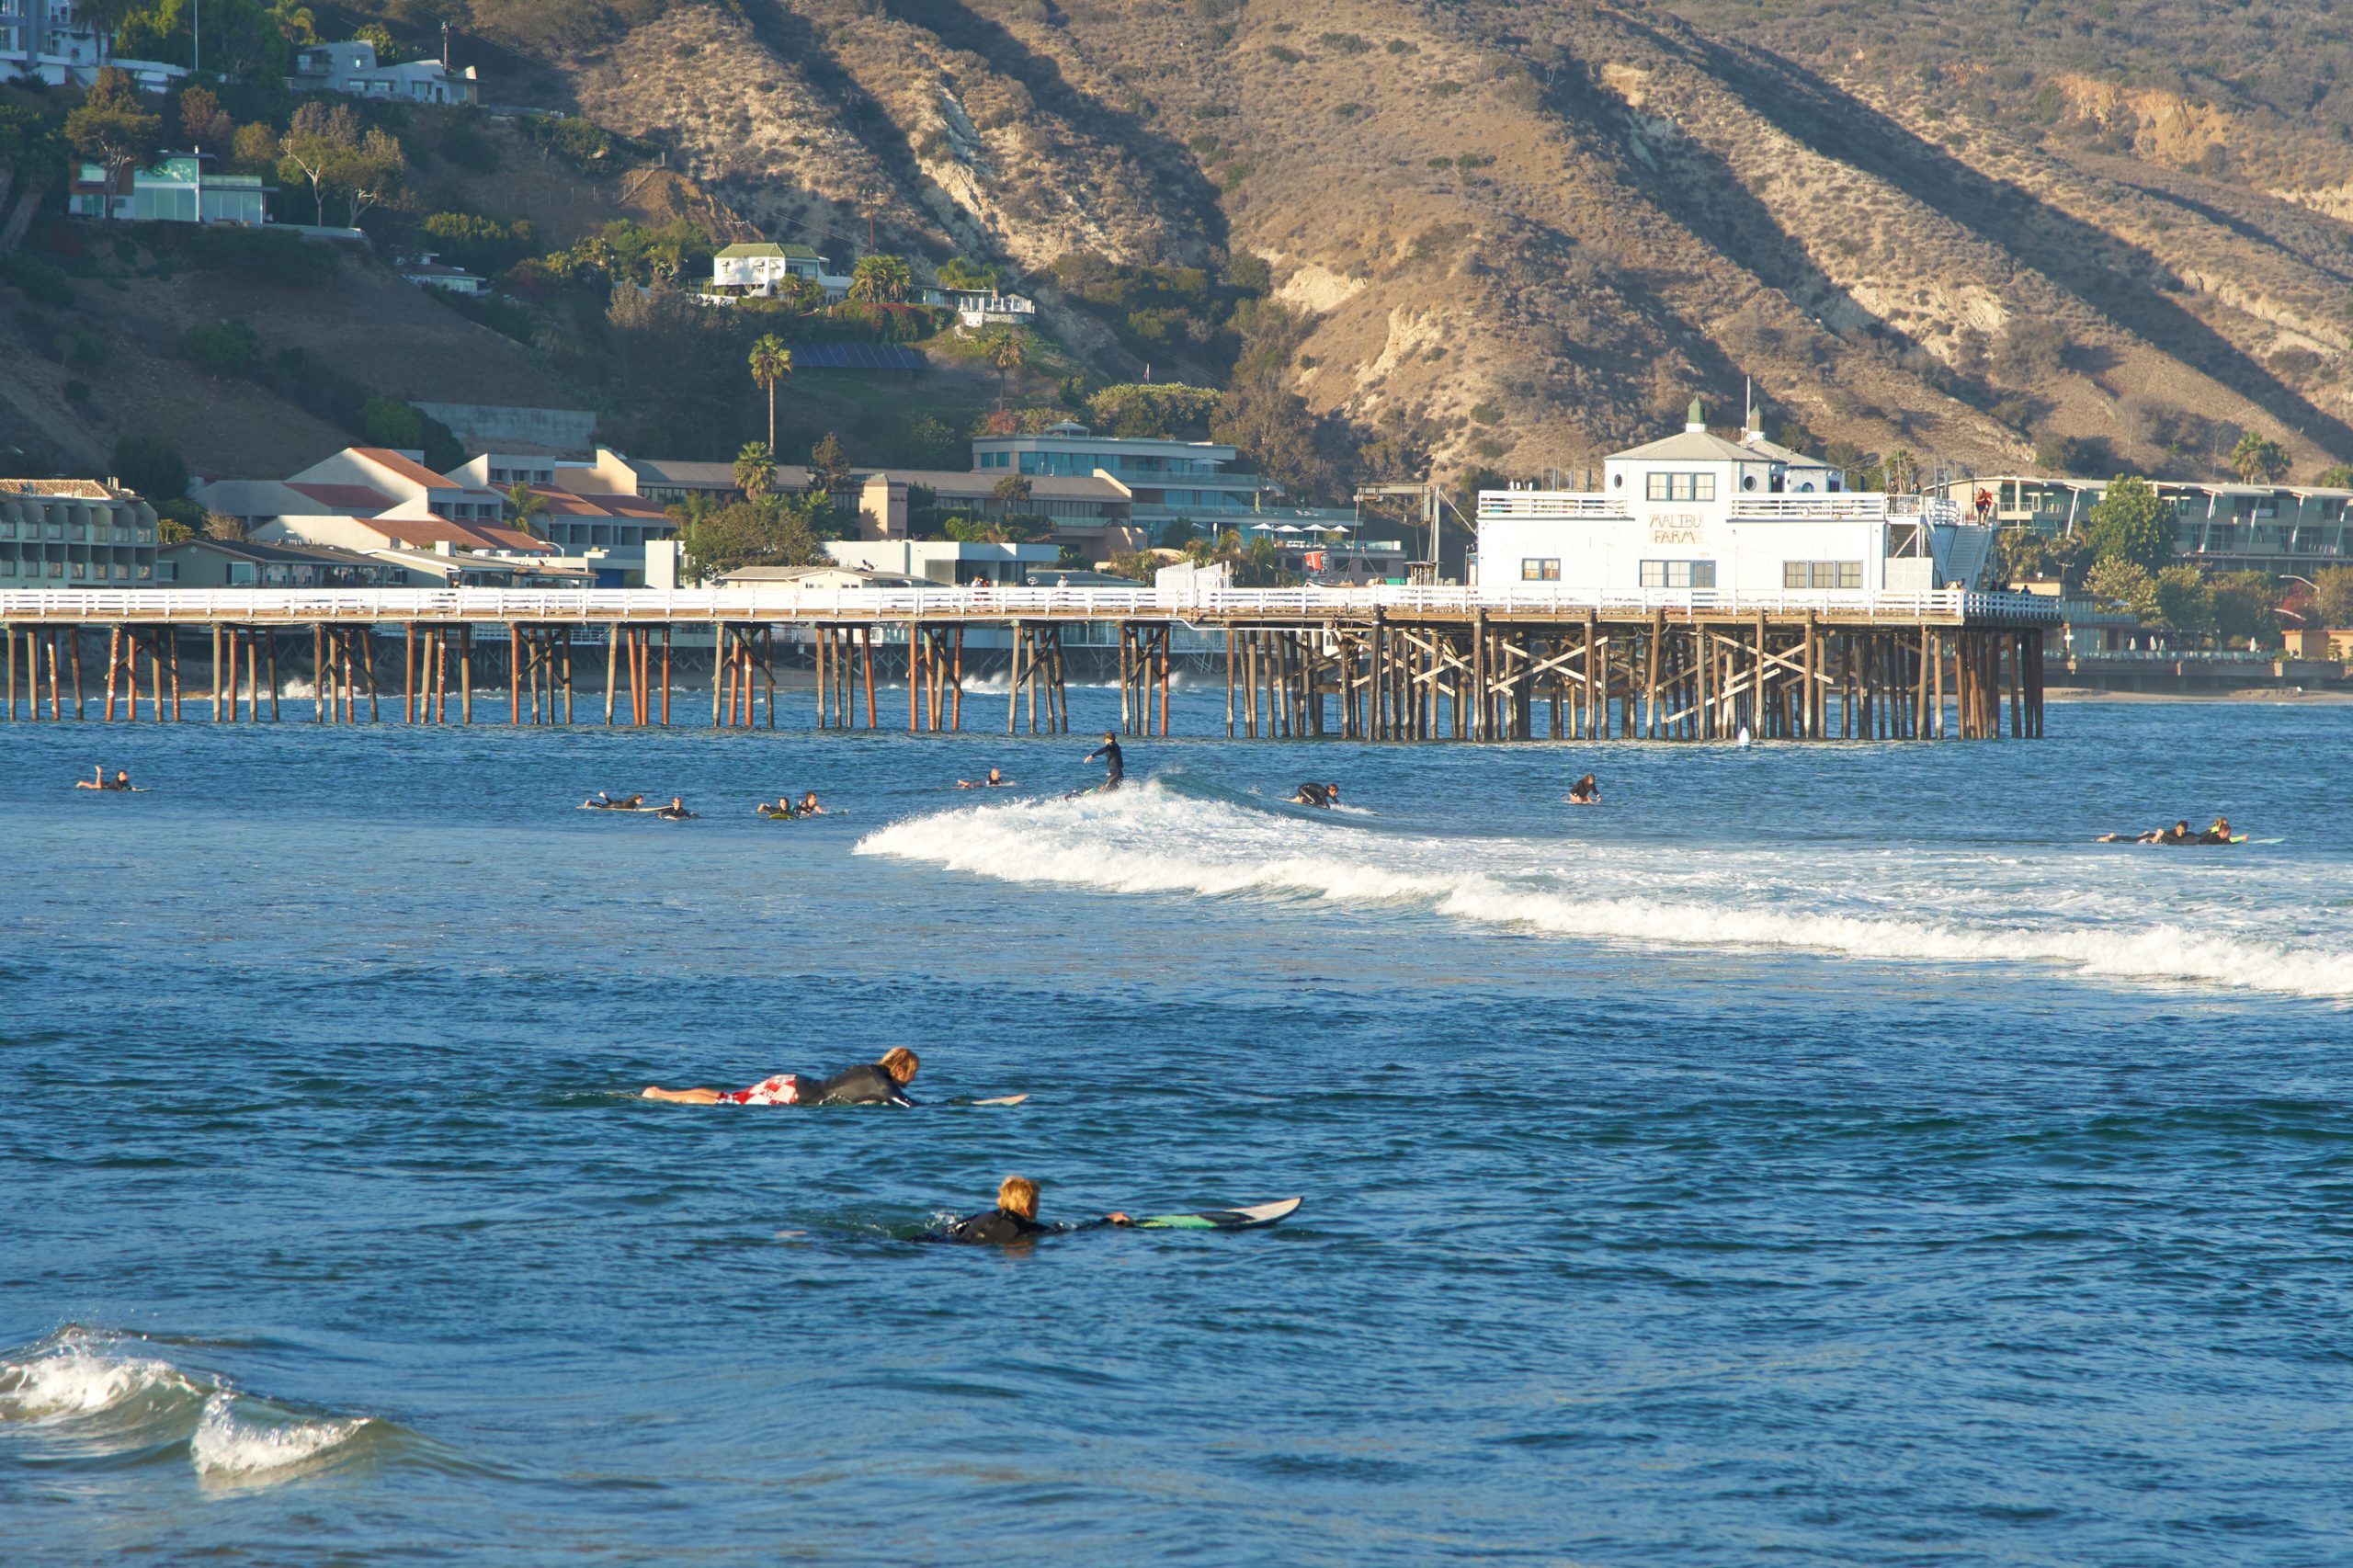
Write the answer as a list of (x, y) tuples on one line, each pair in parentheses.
[(64, 489), (1753, 441), (982, 483), (751, 248), (502, 538), (343, 497), (595, 504), (436, 269), (428, 531), (1690, 445), (408, 468), (254, 550), (800, 573), (705, 475)]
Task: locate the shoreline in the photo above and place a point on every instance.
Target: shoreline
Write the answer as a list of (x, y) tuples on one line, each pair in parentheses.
[(2282, 696)]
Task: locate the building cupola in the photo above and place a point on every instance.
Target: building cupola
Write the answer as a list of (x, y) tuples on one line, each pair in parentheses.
[(1695, 422)]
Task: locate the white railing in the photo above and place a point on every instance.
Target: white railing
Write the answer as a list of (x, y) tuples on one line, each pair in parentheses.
[(781, 603), (1583, 505)]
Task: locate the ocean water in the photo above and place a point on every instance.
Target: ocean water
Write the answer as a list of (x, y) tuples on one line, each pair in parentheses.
[(1812, 1154)]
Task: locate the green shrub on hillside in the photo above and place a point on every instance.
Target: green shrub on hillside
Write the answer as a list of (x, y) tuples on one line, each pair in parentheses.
[(150, 465), (224, 349), (37, 280)]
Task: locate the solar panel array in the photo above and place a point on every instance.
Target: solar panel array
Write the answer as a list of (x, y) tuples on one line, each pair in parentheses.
[(854, 356)]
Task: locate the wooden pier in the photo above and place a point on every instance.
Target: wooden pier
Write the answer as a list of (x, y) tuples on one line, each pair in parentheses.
[(1388, 663)]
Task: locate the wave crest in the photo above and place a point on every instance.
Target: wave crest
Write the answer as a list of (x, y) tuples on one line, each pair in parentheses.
[(1185, 838)]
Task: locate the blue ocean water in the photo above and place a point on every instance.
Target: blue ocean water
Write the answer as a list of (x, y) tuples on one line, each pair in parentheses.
[(1816, 1154)]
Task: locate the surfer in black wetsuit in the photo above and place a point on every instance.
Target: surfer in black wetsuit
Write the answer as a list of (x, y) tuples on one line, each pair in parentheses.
[(1585, 792), (876, 1082), (1317, 795), (2218, 833), (1015, 1217), (675, 810), (1114, 767)]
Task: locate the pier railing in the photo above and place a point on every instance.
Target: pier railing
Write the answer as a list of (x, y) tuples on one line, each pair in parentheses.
[(764, 603)]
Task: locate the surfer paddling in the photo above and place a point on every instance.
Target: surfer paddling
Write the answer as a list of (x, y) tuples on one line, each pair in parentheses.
[(1015, 1217), (600, 802), (879, 1083), (1327, 795), (98, 781), (995, 780)]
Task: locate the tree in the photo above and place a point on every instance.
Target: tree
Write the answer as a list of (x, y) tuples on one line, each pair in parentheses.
[(2246, 606), (391, 422), (1014, 490), (2335, 476), (958, 273), (320, 137), (2126, 583), (828, 468), (772, 530), (114, 125), (528, 510), (33, 153), (256, 149), (2333, 596), (2259, 460), (2185, 600), (150, 465), (880, 280), (2130, 523), (220, 524), (755, 469), (202, 121), (772, 362), (1261, 415), (388, 52), (1007, 348), (370, 173)]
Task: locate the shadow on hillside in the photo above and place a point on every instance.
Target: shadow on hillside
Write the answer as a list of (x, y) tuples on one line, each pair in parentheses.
[(2069, 250), (1181, 185), (1703, 193), (789, 36)]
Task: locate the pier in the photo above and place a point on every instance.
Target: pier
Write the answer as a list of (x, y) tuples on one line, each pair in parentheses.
[(1382, 663)]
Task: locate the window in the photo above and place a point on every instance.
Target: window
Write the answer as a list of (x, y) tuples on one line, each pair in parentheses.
[(1682, 486), (1678, 575), (1822, 574), (1540, 569)]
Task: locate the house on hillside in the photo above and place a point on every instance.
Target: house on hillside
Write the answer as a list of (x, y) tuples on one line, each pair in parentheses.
[(53, 41), (428, 271), (75, 533), (1697, 519), (352, 68), (1170, 480), (984, 307), (756, 267), (176, 190)]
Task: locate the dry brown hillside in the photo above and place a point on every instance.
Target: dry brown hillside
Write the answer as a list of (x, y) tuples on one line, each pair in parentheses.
[(1527, 232)]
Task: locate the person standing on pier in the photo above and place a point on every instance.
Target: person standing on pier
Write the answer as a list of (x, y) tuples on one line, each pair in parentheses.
[(1114, 765)]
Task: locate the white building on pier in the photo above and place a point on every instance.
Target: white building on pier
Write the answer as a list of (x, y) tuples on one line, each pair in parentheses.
[(1718, 522)]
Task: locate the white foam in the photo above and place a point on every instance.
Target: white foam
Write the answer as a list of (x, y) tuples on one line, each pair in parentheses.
[(232, 1445), (1146, 840), (77, 1378)]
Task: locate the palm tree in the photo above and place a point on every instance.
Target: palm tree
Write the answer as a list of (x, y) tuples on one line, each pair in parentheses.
[(754, 469), (1009, 350), (526, 508), (772, 362), (2258, 459), (879, 280)]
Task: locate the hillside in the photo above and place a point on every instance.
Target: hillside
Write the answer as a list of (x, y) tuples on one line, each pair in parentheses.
[(1499, 236), (1523, 234)]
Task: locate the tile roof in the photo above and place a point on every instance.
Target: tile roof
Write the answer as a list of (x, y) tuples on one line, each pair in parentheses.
[(502, 538), (428, 531), (343, 497), (66, 489), (595, 504), (408, 468)]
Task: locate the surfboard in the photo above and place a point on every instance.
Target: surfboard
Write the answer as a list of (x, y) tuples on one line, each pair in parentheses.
[(1223, 1219), (1004, 1099), (626, 811)]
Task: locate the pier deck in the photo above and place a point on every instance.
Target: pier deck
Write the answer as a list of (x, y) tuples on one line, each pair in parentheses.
[(1395, 663)]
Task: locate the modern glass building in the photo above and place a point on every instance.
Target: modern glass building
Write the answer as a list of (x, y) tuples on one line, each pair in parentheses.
[(2230, 527)]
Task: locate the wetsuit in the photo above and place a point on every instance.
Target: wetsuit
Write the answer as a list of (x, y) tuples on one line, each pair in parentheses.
[(669, 813), (2210, 837), (1312, 795), (1114, 769), (995, 1228), (866, 1083)]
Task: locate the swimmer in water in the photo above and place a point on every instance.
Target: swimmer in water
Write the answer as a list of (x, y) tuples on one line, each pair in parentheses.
[(809, 806), (675, 810), (1015, 1217), (1317, 795), (1585, 792), (995, 780), (880, 1083), (1114, 765)]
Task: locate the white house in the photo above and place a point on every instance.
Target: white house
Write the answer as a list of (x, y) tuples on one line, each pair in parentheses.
[(984, 307), (757, 267), (352, 68), (428, 271), (1722, 522)]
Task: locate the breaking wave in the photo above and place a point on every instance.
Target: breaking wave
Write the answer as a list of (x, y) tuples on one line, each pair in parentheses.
[(1181, 836), (85, 1394)]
